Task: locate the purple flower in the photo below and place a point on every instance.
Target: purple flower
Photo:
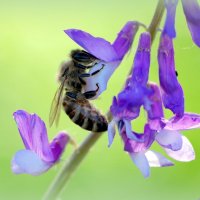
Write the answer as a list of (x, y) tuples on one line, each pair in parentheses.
[(191, 10), (126, 106), (109, 55), (172, 93), (157, 129), (169, 27), (192, 13), (39, 155)]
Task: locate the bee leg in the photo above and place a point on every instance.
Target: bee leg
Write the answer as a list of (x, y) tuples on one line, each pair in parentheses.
[(91, 93), (71, 95), (92, 74), (84, 75), (97, 71), (78, 65), (82, 56), (82, 81)]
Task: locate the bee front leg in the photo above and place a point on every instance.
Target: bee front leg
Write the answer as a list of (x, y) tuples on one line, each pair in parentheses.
[(92, 93), (92, 74)]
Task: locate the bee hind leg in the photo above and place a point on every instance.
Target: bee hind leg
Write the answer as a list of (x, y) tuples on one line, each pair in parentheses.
[(92, 93)]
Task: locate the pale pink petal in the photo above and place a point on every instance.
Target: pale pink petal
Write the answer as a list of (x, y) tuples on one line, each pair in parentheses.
[(111, 132), (101, 78), (28, 162), (169, 139), (157, 160), (188, 121), (185, 154)]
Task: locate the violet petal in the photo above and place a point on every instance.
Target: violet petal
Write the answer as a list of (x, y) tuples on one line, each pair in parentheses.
[(111, 132), (156, 159), (141, 162), (125, 38), (58, 145), (127, 104), (142, 141), (34, 134), (98, 47), (28, 162), (185, 154), (187, 122), (169, 139), (172, 92), (131, 135), (156, 110), (141, 64), (192, 13), (169, 27)]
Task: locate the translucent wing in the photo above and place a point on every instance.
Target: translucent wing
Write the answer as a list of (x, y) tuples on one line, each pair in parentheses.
[(56, 105)]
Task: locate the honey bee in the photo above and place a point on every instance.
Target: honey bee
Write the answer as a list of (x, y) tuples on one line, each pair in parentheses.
[(75, 102)]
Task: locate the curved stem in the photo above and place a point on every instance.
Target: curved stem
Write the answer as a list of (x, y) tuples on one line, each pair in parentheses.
[(79, 154), (70, 166), (155, 22)]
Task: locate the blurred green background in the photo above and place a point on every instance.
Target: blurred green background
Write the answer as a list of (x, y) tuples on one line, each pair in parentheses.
[(32, 45)]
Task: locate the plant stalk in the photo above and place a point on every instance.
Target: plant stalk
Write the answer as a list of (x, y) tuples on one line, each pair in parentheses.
[(156, 19)]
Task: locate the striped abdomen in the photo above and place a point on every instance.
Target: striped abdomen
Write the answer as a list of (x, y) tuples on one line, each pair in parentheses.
[(85, 115)]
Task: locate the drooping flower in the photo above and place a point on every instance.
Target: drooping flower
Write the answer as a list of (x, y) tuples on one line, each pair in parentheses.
[(192, 13), (172, 93), (191, 10), (138, 146), (169, 27), (126, 106), (39, 155), (109, 55), (157, 129)]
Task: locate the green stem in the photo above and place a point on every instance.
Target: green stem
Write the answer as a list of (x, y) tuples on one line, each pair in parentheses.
[(70, 166), (79, 154), (156, 19)]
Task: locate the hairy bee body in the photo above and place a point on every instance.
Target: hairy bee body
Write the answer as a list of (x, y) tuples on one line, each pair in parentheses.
[(82, 113), (75, 102)]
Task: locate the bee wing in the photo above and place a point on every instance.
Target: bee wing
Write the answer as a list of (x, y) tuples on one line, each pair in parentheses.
[(56, 105)]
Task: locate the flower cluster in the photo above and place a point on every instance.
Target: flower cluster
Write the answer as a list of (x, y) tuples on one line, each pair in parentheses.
[(139, 92), (40, 155)]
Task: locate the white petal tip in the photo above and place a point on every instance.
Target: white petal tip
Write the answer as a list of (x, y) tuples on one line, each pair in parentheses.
[(27, 162)]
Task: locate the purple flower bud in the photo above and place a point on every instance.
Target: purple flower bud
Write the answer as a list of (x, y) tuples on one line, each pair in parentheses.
[(172, 93), (192, 13), (141, 64), (191, 10), (169, 27)]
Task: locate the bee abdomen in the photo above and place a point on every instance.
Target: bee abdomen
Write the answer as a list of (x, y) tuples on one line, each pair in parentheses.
[(85, 116)]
